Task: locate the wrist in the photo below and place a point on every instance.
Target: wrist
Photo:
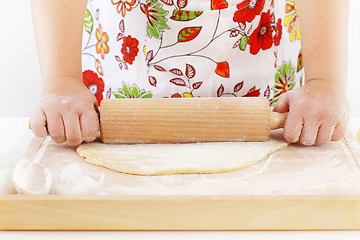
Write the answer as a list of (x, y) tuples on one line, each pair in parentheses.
[(62, 85), (327, 85)]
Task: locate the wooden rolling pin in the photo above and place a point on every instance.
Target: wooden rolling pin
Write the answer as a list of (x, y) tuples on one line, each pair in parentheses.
[(185, 120)]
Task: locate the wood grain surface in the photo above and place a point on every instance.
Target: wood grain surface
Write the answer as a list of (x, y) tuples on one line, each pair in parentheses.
[(177, 213), (185, 120), (333, 206)]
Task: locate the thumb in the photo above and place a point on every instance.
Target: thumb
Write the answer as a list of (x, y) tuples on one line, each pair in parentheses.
[(282, 104)]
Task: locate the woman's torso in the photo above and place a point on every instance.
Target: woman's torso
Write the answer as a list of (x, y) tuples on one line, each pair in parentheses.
[(191, 48)]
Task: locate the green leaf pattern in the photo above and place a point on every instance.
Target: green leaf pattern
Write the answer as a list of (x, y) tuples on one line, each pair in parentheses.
[(182, 15), (89, 22), (284, 80), (157, 19), (189, 33), (212, 48), (243, 42), (131, 92)]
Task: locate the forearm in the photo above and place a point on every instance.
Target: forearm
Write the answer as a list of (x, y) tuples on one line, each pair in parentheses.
[(324, 27), (58, 32)]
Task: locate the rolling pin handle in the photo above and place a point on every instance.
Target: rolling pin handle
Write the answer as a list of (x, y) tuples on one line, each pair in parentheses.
[(277, 120)]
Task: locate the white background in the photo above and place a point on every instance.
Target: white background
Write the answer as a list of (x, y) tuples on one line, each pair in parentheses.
[(19, 67), (20, 90)]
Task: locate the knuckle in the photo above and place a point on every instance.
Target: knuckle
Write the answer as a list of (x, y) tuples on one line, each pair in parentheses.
[(93, 132), (36, 124), (307, 141), (282, 98), (74, 141), (308, 135), (90, 136), (312, 112), (40, 133), (338, 133), (83, 107), (90, 116), (342, 118), (57, 136), (322, 140), (337, 137), (39, 130), (58, 139), (290, 137), (329, 115), (74, 144)]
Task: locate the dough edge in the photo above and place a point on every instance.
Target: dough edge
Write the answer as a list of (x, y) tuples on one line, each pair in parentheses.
[(82, 151)]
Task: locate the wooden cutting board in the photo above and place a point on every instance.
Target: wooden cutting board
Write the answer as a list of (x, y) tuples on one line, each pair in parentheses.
[(298, 188)]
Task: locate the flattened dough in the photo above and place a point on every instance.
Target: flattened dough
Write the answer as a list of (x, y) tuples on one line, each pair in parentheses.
[(160, 159)]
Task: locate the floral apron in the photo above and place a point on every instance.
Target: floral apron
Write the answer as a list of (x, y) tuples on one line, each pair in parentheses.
[(191, 48)]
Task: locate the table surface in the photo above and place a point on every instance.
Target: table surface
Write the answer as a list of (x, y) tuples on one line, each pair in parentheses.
[(14, 144)]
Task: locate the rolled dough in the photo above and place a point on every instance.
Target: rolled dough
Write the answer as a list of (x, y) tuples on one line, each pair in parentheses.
[(161, 159)]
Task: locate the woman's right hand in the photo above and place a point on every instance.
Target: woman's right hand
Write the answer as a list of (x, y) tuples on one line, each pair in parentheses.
[(67, 113), (67, 110)]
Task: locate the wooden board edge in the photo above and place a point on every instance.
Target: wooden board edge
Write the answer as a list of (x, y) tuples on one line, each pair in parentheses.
[(179, 214), (53, 212)]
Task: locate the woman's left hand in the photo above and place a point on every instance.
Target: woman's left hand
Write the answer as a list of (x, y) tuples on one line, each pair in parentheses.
[(318, 113)]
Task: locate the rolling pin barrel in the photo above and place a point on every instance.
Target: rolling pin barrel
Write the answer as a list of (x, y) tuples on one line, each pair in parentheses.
[(185, 120)]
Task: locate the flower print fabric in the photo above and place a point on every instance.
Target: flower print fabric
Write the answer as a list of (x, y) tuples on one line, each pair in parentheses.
[(94, 83), (129, 49), (101, 45), (123, 6), (247, 10), (192, 48), (262, 36)]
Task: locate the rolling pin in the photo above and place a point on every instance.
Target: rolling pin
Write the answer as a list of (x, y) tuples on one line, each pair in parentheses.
[(186, 120)]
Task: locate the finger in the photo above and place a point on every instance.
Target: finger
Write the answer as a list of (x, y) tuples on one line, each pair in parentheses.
[(56, 127), (309, 132), (293, 126), (339, 131), (89, 123), (282, 104), (38, 123), (72, 129), (325, 132)]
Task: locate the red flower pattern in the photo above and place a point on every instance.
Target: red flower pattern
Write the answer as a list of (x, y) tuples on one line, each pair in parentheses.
[(262, 36), (248, 9), (263, 33), (95, 84), (278, 33), (219, 4), (129, 49), (176, 95), (252, 93)]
